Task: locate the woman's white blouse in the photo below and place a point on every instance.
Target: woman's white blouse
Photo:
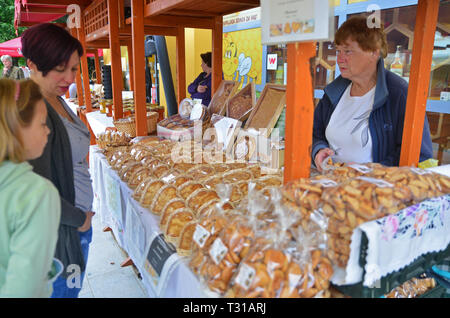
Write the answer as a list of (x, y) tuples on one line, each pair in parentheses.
[(348, 131)]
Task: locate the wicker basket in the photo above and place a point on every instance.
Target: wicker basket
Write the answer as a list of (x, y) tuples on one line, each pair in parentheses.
[(128, 126)]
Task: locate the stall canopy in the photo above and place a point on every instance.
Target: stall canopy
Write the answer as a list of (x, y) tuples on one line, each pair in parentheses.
[(12, 48), (28, 13)]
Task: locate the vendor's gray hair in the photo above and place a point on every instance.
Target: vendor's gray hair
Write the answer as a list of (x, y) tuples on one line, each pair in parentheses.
[(6, 57)]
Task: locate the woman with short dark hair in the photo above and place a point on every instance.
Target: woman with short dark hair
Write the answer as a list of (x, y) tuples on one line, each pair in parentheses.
[(53, 57), (360, 117), (200, 88)]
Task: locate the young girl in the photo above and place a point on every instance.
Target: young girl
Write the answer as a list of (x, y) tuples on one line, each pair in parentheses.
[(30, 207)]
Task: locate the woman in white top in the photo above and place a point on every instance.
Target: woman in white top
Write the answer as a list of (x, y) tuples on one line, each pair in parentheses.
[(360, 117)]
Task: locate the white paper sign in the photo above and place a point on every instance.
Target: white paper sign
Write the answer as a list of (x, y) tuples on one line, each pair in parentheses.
[(272, 60), (284, 21)]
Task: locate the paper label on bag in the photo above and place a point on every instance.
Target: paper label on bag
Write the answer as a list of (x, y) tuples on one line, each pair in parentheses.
[(294, 280), (380, 183), (361, 168), (420, 171), (200, 235), (245, 276), (218, 251), (327, 183)]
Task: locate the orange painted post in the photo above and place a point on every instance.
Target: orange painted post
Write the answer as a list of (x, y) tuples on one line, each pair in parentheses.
[(98, 72), (116, 62), (84, 66), (138, 36), (181, 64), (130, 63), (217, 43), (78, 75), (422, 53), (299, 110)]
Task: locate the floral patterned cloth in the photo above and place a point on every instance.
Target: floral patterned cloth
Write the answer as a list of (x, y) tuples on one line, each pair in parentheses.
[(397, 240)]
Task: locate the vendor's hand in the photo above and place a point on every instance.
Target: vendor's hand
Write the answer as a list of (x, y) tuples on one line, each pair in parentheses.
[(201, 88), (321, 155), (87, 223)]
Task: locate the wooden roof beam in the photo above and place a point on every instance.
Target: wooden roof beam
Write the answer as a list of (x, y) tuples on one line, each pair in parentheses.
[(42, 9), (161, 6), (255, 3), (175, 21)]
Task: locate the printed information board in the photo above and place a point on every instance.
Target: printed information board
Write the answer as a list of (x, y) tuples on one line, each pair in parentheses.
[(285, 21)]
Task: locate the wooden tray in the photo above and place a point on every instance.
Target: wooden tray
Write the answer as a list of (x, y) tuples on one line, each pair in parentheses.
[(268, 108), (243, 113), (219, 100)]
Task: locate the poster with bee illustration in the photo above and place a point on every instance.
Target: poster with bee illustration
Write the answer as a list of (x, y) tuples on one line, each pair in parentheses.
[(284, 21)]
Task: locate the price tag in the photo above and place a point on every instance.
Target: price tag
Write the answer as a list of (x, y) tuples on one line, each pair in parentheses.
[(361, 168), (245, 276), (294, 280), (327, 183), (420, 171), (218, 251), (378, 182), (200, 235), (159, 252)]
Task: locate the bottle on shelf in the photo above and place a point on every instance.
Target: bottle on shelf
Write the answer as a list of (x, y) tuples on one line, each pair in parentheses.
[(397, 65)]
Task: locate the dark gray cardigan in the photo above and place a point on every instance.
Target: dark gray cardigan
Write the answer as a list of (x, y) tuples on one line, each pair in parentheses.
[(55, 164)]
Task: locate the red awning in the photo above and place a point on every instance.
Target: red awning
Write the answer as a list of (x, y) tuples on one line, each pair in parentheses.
[(12, 47), (24, 14)]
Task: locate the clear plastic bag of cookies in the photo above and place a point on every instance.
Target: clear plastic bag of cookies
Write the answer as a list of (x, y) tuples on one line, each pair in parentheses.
[(207, 229), (417, 184), (226, 252), (413, 288), (342, 171), (364, 197), (306, 193)]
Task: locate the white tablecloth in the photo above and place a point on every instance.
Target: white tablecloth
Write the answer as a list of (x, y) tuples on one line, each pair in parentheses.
[(134, 228), (99, 122)]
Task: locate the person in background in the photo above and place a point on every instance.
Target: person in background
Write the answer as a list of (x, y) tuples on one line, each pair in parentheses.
[(73, 90), (30, 208), (201, 87), (360, 117), (53, 57), (9, 70)]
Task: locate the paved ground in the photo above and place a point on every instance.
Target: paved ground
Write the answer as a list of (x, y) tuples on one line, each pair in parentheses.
[(104, 277)]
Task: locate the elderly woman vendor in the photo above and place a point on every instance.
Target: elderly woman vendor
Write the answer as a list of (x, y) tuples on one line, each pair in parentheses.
[(360, 117)]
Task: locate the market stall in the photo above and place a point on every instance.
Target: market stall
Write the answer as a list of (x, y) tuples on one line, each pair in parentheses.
[(217, 217)]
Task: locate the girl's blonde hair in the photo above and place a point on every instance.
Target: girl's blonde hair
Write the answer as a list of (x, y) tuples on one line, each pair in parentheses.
[(15, 114)]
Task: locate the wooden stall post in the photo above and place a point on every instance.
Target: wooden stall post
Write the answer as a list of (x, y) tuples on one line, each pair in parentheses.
[(181, 64), (217, 43), (84, 65), (137, 31), (422, 53), (97, 67), (299, 110), (116, 63), (78, 80), (130, 63)]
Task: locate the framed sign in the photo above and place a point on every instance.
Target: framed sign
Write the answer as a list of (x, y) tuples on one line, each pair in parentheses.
[(272, 61), (285, 21)]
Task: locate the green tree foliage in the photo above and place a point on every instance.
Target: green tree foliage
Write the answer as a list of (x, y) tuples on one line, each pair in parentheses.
[(7, 31)]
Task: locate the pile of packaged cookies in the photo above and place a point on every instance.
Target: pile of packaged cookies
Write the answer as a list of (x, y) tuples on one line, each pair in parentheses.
[(245, 234)]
